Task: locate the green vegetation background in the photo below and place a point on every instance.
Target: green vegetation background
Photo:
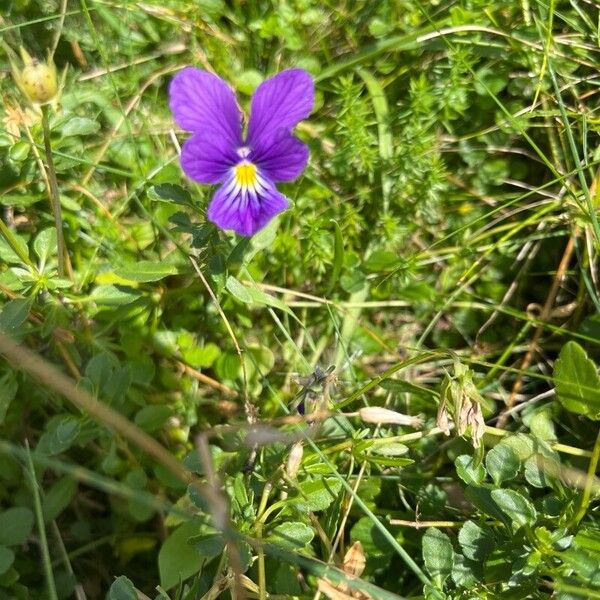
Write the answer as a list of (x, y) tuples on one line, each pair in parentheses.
[(441, 249)]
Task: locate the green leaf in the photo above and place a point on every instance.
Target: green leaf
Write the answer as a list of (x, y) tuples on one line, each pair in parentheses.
[(369, 535), (7, 252), (201, 356), (481, 498), (112, 295), (7, 557), (466, 469), (438, 555), (317, 494), (14, 313), (535, 474), (58, 497), (476, 542), (292, 534), (170, 192), (515, 506), (208, 545), (502, 463), (79, 126), (238, 290), (577, 383), (122, 589), (153, 417), (465, 572), (15, 526), (177, 559), (381, 261), (62, 431), (146, 271), (253, 295), (45, 244)]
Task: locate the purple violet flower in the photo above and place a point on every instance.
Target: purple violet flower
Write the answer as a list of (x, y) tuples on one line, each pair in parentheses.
[(247, 168)]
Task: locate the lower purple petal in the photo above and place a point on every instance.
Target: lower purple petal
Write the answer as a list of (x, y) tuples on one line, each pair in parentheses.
[(282, 157), (245, 211)]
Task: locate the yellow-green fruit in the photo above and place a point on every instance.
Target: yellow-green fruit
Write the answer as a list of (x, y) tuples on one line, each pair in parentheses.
[(39, 83)]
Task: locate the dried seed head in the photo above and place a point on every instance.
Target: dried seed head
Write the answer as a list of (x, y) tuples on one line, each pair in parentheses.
[(442, 420), (354, 560), (378, 414)]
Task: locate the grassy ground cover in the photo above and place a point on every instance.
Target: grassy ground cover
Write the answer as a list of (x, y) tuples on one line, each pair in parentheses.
[(390, 391)]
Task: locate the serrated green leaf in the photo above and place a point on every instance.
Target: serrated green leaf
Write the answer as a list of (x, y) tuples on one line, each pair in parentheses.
[(515, 506), (44, 244), (438, 555), (476, 542), (577, 383), (292, 534), (465, 572), (170, 192), (502, 463), (466, 469), (317, 494), (122, 589)]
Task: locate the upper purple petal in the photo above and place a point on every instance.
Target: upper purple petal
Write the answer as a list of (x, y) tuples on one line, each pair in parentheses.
[(281, 157), (243, 211), (207, 157), (280, 102), (202, 101)]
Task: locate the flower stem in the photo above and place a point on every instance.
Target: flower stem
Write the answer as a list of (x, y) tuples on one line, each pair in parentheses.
[(54, 195)]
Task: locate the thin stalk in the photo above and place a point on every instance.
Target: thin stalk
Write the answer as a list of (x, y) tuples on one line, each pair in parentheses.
[(54, 194), (591, 472), (39, 515), (262, 577)]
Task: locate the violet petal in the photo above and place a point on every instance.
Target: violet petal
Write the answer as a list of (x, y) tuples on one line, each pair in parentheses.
[(281, 158), (245, 211), (201, 101), (207, 157), (280, 102)]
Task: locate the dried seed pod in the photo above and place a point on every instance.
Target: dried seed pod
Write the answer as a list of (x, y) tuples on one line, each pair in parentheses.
[(378, 414), (354, 560), (294, 459)]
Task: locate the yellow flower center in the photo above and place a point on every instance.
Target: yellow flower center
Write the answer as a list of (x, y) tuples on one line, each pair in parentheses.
[(245, 174)]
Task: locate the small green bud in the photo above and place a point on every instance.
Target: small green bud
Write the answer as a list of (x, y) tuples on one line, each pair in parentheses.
[(39, 82), (36, 79)]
